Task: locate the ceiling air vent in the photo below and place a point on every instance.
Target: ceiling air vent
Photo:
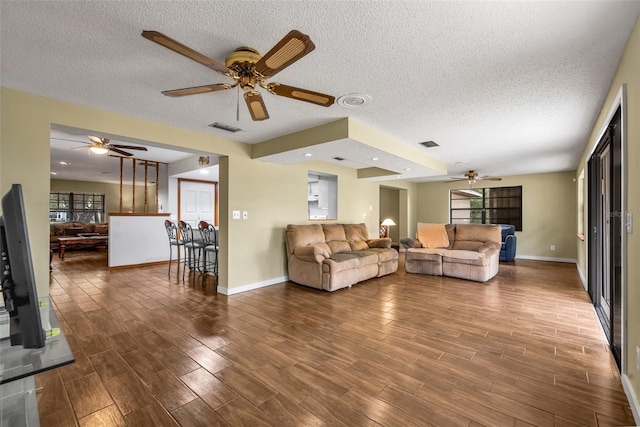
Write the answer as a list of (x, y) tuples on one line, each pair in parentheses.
[(224, 127), (338, 158), (429, 144), (150, 164)]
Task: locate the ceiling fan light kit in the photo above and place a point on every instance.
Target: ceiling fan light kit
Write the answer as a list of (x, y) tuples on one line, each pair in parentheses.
[(99, 149), (249, 71), (472, 177)]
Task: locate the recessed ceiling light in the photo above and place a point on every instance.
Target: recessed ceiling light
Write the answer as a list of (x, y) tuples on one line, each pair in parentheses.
[(65, 163), (204, 172), (353, 100), (375, 159), (308, 154), (407, 169), (54, 173)]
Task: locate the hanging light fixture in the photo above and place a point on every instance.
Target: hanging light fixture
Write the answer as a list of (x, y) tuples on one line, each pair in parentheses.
[(98, 149)]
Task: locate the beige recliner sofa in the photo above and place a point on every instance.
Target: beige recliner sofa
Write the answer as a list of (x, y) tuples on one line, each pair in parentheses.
[(334, 256), (465, 251)]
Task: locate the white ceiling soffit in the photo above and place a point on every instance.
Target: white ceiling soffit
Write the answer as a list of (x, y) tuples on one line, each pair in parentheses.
[(71, 158), (355, 155), (512, 87)]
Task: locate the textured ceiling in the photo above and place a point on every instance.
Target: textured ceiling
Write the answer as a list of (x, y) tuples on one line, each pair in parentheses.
[(504, 87)]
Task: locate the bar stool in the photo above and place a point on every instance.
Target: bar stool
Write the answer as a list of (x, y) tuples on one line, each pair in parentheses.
[(172, 232), (192, 247), (210, 258)]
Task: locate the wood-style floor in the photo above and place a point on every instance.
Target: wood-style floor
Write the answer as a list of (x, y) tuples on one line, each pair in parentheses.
[(523, 349)]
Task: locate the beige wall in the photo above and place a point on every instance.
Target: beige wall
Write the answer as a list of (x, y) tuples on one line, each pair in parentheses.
[(252, 250), (548, 211), (25, 122), (112, 194), (390, 208), (628, 73)]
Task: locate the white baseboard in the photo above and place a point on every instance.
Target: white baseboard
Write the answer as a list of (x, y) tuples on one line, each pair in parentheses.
[(251, 286), (582, 277), (547, 258), (631, 396)]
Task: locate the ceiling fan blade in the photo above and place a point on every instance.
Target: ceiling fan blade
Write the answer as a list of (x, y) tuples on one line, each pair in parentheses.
[(178, 47), (292, 47), (115, 150), (301, 94), (489, 178), (98, 140), (256, 105), (196, 90), (457, 179), (128, 147)]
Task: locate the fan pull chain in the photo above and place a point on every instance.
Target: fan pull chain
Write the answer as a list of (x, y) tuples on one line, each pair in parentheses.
[(238, 106)]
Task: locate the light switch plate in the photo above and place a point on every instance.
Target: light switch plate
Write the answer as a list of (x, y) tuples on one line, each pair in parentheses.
[(236, 214), (245, 215)]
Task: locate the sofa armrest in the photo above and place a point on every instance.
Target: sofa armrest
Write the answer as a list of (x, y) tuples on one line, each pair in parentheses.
[(312, 253), (383, 242), (489, 246), (410, 242)]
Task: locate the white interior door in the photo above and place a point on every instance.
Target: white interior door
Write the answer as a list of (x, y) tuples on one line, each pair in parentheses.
[(197, 202)]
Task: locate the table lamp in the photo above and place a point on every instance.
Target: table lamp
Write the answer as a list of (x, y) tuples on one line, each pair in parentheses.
[(387, 223)]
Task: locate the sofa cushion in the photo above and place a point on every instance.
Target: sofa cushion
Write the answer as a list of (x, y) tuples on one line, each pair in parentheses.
[(355, 232), (358, 245), (466, 257), (426, 254), (338, 246), (470, 245), (101, 228), (303, 235), (478, 233), (366, 257), (341, 262), (451, 234), (433, 235), (333, 232), (383, 255)]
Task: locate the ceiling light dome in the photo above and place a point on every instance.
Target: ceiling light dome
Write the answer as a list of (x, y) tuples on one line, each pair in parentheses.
[(354, 100), (99, 149)]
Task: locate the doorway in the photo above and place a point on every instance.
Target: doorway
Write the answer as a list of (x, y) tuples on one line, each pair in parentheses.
[(605, 232), (390, 209)]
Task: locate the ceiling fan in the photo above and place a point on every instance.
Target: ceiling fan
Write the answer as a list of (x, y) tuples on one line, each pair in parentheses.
[(103, 146), (249, 70), (472, 177)]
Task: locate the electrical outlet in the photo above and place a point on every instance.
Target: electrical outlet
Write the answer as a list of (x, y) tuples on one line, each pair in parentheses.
[(552, 247), (245, 215)]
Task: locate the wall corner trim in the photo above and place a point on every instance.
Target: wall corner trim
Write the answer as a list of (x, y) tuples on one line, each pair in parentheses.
[(631, 396), (251, 286)]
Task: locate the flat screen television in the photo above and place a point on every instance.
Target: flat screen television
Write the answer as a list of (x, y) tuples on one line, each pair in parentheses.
[(16, 269)]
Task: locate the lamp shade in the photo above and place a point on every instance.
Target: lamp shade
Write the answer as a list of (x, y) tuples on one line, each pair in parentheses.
[(387, 222)]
